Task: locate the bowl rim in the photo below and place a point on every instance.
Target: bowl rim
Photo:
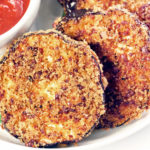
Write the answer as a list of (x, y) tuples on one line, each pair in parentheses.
[(22, 21)]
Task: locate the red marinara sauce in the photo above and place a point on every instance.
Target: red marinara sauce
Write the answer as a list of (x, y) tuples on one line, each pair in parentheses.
[(11, 11)]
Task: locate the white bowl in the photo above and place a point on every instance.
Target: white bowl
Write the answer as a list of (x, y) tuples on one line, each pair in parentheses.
[(23, 25)]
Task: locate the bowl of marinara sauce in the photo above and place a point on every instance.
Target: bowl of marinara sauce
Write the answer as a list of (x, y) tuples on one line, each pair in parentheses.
[(16, 17)]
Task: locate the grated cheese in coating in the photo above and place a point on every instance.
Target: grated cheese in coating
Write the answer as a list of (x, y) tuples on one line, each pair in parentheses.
[(140, 7), (122, 43), (51, 90)]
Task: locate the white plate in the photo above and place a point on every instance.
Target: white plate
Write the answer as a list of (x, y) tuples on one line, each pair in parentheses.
[(49, 11)]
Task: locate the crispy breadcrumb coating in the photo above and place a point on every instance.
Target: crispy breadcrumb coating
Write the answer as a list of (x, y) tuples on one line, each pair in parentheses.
[(140, 7), (51, 89), (122, 43)]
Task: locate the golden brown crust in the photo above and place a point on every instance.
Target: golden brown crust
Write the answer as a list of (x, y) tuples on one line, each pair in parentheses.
[(50, 89), (122, 43), (140, 7)]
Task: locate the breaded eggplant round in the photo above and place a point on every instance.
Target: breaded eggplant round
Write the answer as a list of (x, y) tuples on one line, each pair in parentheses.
[(122, 43), (51, 90), (140, 7)]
